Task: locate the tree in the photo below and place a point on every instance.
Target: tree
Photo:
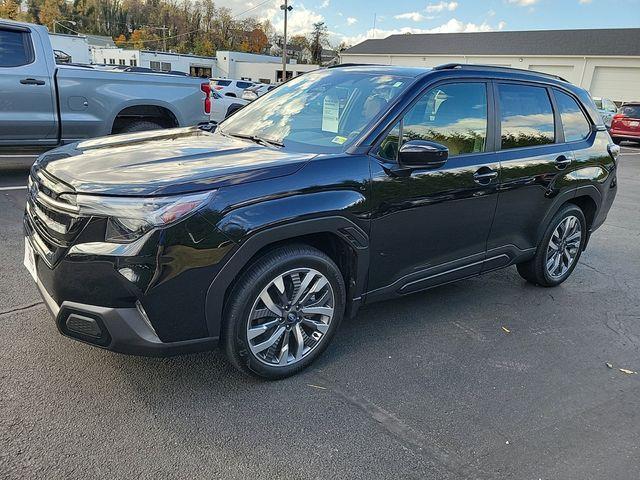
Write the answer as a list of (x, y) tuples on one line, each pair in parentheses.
[(121, 41), (257, 40), (10, 9), (299, 41), (318, 40), (51, 12)]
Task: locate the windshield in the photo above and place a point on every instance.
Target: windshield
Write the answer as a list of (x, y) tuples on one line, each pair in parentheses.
[(322, 112), (632, 111)]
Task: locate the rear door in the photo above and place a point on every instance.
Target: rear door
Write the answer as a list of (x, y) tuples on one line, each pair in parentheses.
[(534, 160), (27, 94)]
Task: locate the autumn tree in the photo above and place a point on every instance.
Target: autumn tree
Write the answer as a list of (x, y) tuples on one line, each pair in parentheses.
[(317, 41), (10, 9)]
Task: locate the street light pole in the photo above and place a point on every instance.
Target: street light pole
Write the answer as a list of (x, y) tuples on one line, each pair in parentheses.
[(287, 8)]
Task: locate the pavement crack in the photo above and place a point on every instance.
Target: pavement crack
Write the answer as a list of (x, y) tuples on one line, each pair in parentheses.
[(407, 436), (20, 308)]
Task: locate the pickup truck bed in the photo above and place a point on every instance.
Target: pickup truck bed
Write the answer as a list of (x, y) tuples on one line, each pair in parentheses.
[(43, 105)]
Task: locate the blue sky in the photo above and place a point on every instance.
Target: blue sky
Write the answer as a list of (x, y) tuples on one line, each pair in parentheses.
[(352, 20)]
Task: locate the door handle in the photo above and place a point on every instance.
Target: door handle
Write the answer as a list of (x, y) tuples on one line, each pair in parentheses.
[(562, 162), (31, 81), (484, 176)]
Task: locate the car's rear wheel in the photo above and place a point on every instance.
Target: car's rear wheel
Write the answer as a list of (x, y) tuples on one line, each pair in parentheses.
[(559, 250), (283, 312), (616, 140), (140, 126)]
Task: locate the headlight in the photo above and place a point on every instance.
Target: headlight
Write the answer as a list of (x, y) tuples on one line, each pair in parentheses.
[(128, 218)]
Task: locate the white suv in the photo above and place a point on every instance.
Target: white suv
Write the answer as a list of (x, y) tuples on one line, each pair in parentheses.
[(230, 87)]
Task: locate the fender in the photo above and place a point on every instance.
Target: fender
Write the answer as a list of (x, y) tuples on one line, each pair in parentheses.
[(338, 225), (588, 190), (147, 102)]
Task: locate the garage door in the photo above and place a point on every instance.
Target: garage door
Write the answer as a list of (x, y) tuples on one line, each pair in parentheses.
[(621, 84), (564, 71)]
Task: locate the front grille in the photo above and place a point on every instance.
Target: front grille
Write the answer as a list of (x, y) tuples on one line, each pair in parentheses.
[(53, 222)]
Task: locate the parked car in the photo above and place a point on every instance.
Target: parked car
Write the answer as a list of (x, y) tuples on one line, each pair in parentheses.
[(256, 91), (45, 105), (371, 182), (606, 108), (222, 106), (230, 87), (625, 125)]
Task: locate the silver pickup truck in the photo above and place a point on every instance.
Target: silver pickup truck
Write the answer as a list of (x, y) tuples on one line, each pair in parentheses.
[(43, 105)]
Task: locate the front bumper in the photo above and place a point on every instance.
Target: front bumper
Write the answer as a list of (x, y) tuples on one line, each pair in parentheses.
[(123, 330)]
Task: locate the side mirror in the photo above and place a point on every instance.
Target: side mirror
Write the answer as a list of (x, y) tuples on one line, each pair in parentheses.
[(423, 154)]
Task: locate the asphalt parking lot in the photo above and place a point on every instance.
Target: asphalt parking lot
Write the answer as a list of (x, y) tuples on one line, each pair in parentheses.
[(429, 386)]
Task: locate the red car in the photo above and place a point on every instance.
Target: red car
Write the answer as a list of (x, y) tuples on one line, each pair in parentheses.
[(625, 125)]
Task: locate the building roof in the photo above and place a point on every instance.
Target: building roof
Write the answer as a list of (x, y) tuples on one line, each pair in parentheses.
[(606, 42), (99, 41)]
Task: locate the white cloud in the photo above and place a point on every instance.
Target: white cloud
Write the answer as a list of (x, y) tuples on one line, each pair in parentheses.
[(501, 25), (351, 20), (324, 4), (584, 2), (415, 16), (441, 7), (523, 3), (452, 26), (491, 13)]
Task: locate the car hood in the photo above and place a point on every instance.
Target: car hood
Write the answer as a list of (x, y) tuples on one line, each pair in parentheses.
[(166, 162)]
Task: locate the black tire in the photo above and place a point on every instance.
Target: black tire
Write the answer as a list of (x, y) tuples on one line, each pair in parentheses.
[(535, 270), (616, 140), (140, 126), (233, 108), (241, 300)]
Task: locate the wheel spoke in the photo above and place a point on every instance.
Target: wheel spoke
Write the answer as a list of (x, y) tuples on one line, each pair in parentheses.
[(319, 285), (553, 245), (268, 302), (317, 310), (284, 350), (308, 278), (260, 329), (297, 331), (319, 326), (269, 342)]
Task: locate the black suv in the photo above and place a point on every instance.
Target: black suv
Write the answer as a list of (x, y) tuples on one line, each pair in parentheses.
[(342, 187)]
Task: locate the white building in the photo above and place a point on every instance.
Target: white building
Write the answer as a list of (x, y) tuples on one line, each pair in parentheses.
[(75, 46), (226, 64), (606, 61)]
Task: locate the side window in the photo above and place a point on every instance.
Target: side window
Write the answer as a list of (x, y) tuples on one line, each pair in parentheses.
[(388, 149), (454, 115), (574, 123), (15, 48), (526, 116)]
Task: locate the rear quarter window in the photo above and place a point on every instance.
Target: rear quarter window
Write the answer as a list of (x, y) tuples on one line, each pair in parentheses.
[(15, 48), (632, 111), (575, 125), (222, 83)]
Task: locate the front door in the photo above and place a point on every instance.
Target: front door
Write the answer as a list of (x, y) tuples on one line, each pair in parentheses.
[(430, 226), (27, 106)]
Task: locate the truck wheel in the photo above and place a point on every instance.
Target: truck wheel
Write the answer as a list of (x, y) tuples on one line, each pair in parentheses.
[(283, 312), (616, 140), (141, 126), (559, 250)]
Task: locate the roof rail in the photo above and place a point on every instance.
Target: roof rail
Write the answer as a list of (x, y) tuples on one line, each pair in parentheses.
[(471, 66), (340, 65)]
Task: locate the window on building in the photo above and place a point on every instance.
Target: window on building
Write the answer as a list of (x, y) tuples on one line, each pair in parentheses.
[(155, 66), (112, 61), (166, 67), (264, 80), (104, 60), (133, 62), (574, 123), (279, 75), (15, 48), (122, 61), (202, 72), (454, 115), (526, 116)]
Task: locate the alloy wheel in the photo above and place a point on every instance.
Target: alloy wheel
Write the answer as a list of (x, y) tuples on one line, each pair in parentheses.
[(564, 246), (290, 317)]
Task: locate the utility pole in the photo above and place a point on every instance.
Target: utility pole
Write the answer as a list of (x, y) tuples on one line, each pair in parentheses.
[(286, 8), (164, 39)]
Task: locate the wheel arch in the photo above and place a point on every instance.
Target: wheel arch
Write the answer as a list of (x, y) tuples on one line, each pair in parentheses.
[(338, 237), (161, 114), (587, 198)]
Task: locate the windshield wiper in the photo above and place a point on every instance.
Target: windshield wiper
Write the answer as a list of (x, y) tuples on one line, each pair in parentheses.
[(257, 139)]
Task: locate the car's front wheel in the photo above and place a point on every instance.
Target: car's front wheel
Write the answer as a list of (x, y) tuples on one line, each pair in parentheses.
[(559, 250), (283, 312)]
